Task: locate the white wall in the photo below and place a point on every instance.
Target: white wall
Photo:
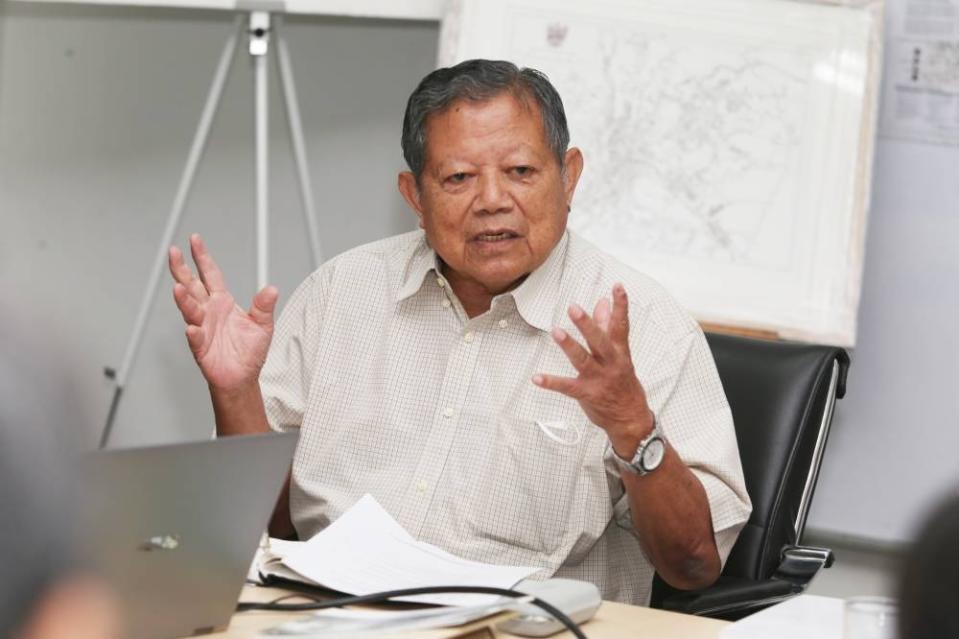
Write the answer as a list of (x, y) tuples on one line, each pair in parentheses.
[(859, 569), (98, 107), (891, 456)]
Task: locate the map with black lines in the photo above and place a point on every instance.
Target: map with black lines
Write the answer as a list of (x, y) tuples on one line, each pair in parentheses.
[(713, 133)]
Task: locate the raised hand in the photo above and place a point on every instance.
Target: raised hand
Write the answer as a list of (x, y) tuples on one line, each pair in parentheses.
[(228, 342), (606, 387)]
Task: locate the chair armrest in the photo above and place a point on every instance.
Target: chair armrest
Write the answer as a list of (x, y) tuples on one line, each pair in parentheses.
[(799, 564), (731, 598)]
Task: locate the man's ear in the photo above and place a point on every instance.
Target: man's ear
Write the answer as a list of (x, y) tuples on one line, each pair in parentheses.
[(410, 190), (572, 169)]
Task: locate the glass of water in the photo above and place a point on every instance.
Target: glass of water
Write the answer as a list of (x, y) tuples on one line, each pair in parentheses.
[(871, 618)]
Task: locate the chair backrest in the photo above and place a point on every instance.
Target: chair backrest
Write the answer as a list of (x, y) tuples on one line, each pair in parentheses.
[(781, 395)]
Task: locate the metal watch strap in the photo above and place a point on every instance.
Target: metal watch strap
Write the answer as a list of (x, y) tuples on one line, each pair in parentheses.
[(635, 465)]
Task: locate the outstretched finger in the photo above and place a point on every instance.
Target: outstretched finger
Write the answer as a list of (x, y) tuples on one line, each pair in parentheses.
[(184, 275), (263, 304), (578, 356), (619, 319), (209, 272), (601, 314), (568, 386), (192, 312), (596, 338)]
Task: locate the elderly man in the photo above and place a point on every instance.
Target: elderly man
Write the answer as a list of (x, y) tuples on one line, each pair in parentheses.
[(455, 373)]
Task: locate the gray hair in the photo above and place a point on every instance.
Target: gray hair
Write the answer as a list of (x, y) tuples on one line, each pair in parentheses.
[(480, 80)]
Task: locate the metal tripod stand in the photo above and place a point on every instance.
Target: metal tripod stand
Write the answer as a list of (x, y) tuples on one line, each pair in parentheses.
[(259, 32)]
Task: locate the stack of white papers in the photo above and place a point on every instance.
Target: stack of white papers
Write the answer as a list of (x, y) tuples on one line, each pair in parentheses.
[(367, 551), (340, 622)]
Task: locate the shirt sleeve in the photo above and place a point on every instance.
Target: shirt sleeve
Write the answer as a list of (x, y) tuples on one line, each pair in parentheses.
[(287, 374), (687, 397)]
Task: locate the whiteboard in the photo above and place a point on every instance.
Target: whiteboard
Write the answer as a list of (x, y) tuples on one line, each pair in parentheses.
[(728, 143), (397, 9)]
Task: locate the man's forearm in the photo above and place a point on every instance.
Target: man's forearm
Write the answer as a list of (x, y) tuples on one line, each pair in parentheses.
[(281, 523), (241, 412), (671, 514)]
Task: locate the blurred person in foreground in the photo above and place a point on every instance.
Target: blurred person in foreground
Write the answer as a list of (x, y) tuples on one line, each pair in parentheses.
[(929, 589), (43, 592)]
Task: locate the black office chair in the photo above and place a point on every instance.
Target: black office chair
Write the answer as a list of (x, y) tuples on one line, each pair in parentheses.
[(782, 397)]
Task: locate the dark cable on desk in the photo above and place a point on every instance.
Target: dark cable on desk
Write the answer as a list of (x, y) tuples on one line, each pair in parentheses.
[(379, 597)]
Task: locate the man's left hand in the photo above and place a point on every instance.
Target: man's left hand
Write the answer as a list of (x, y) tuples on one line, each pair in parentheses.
[(607, 387)]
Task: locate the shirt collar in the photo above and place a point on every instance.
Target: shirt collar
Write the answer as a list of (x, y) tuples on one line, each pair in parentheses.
[(422, 261), (536, 298)]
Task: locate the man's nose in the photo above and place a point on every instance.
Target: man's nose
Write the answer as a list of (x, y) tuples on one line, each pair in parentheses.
[(494, 195)]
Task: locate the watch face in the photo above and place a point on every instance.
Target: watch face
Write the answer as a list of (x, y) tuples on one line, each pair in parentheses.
[(653, 454)]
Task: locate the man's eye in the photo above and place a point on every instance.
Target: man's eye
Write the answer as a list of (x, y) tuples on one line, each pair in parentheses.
[(522, 171), (456, 178)]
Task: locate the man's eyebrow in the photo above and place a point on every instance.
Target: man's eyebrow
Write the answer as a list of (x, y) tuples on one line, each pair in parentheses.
[(454, 165), (522, 147)]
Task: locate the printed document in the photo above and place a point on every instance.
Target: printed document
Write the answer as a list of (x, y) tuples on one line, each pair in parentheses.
[(802, 617), (367, 551), (921, 101)]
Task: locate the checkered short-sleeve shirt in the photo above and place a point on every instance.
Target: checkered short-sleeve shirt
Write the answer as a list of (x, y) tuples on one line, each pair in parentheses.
[(397, 393)]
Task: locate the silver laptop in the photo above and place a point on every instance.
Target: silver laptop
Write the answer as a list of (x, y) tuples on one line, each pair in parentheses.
[(175, 528)]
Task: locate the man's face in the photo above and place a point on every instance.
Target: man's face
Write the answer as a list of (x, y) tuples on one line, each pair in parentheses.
[(492, 198)]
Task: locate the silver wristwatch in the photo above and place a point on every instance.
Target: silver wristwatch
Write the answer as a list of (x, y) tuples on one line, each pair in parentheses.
[(649, 454)]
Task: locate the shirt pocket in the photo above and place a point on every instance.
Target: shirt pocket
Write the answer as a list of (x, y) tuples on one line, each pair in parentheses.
[(535, 482)]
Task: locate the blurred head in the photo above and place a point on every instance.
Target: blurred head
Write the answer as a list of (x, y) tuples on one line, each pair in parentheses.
[(43, 595), (929, 590), (491, 178)]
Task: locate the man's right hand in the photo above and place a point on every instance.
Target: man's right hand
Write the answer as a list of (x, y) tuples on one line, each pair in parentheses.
[(230, 346), (228, 343)]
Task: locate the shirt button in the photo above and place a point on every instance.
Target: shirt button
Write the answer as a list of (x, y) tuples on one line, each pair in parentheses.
[(447, 413), (446, 304), (421, 486), (468, 338), (440, 282), (503, 323)]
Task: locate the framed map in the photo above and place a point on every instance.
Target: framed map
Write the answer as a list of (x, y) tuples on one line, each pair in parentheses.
[(728, 143)]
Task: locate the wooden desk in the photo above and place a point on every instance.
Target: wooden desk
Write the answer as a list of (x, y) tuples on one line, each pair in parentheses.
[(612, 621)]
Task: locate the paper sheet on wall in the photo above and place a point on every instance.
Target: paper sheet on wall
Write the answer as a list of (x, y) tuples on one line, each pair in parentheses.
[(921, 96)]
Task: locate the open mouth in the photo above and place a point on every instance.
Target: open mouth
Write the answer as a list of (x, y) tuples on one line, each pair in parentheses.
[(496, 236)]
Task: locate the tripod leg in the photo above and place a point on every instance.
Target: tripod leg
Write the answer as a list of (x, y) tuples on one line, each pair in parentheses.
[(186, 182), (299, 147), (259, 39)]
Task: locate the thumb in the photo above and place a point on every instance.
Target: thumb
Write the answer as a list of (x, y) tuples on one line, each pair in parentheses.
[(263, 304)]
